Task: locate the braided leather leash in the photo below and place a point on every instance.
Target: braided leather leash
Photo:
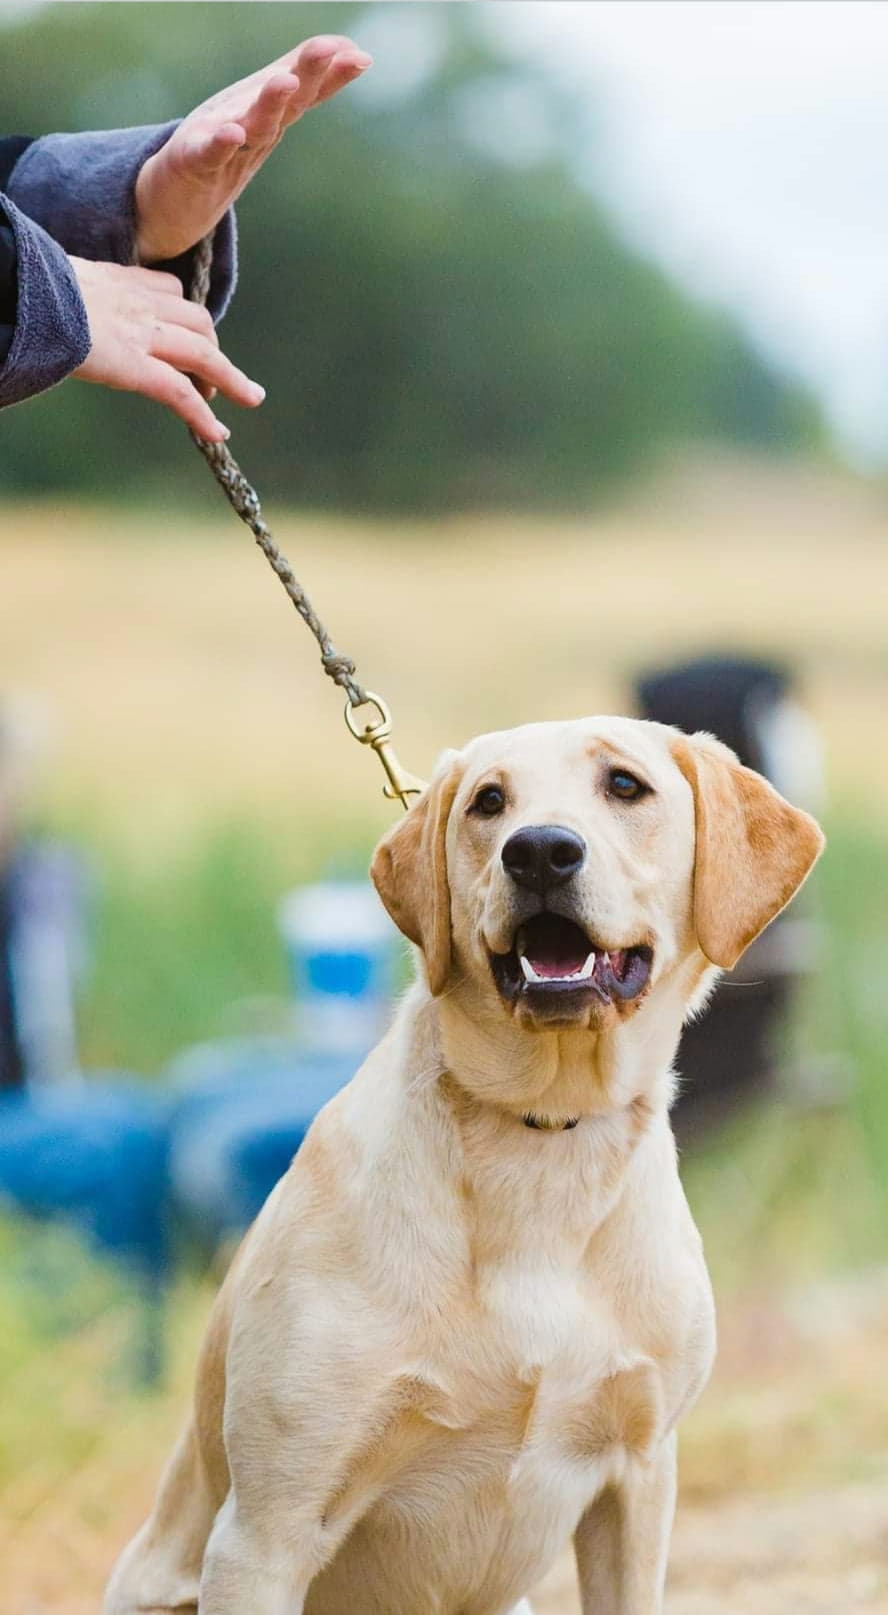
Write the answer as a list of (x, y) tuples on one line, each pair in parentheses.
[(244, 499)]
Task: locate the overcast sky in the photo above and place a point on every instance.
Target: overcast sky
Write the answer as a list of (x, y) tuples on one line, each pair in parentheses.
[(745, 143)]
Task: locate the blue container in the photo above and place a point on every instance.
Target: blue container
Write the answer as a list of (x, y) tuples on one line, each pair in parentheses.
[(342, 951)]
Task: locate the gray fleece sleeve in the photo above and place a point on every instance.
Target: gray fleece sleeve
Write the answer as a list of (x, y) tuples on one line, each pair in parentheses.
[(51, 335), (81, 189)]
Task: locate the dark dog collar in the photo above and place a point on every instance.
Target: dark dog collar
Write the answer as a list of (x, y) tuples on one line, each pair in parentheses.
[(543, 1124)]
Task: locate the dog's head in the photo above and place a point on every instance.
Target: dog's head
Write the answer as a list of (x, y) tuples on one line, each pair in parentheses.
[(561, 870)]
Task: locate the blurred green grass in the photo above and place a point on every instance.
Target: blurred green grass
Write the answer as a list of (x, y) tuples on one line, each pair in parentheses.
[(800, 1187), (188, 949)]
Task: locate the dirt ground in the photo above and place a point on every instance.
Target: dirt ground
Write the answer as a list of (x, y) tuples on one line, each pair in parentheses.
[(826, 1552)]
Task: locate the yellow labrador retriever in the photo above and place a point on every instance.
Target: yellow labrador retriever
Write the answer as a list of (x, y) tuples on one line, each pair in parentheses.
[(466, 1322)]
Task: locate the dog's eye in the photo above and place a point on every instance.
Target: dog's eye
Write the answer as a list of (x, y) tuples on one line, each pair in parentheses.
[(489, 802), (625, 786)]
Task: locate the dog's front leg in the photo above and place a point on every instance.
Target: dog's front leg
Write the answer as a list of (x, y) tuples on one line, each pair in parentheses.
[(303, 1472), (622, 1541), (263, 1559), (261, 1567)]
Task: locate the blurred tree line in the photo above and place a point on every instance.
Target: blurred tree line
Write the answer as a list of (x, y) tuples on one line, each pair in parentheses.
[(440, 317)]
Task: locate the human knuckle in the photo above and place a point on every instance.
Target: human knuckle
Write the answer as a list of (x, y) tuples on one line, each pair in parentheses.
[(152, 386), (160, 386), (204, 356)]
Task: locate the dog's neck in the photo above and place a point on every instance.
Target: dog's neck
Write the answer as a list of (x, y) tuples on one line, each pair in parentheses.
[(536, 1195), (540, 1195), (559, 1076)]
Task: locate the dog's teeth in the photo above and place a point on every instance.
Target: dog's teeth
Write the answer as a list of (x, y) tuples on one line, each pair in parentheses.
[(574, 975)]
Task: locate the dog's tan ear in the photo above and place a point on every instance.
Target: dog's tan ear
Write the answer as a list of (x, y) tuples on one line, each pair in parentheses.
[(753, 850), (409, 871)]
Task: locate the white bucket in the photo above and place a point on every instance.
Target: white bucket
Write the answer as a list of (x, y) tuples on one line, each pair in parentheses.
[(342, 953)]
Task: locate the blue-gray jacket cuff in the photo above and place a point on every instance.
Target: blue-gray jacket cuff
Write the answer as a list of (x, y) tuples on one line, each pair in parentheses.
[(223, 267), (81, 189), (51, 336)]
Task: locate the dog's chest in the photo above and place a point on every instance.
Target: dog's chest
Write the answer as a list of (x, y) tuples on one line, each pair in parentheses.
[(508, 1429), (531, 1385), (539, 1358), (537, 1377), (537, 1388)]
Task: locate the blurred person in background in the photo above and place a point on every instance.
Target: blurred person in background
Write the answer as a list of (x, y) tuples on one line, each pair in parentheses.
[(82, 214), (44, 899)]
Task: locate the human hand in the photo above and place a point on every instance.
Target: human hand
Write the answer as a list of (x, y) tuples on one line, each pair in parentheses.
[(147, 338), (185, 188)]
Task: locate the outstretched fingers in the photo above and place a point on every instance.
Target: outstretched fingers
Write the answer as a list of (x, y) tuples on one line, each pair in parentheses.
[(325, 65), (168, 386), (216, 147), (318, 70), (314, 55), (184, 367), (196, 356), (183, 190), (147, 338), (342, 70), (280, 102)]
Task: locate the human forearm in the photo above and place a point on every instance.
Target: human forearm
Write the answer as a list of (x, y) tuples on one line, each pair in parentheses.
[(11, 149), (48, 328), (81, 189), (8, 286)]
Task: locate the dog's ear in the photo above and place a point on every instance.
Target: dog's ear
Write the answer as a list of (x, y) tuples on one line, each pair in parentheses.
[(409, 871), (753, 850)]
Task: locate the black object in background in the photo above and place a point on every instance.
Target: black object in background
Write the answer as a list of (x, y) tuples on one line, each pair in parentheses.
[(730, 1053)]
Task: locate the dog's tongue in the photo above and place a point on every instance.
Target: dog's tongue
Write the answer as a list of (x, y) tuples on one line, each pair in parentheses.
[(555, 947)]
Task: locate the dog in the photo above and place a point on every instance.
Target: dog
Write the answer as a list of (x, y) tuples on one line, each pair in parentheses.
[(468, 1319)]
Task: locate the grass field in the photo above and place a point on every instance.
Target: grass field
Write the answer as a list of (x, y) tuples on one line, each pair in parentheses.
[(181, 691), (197, 754)]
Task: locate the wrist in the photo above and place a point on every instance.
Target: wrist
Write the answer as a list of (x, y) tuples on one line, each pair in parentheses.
[(163, 212), (173, 208), (149, 244)]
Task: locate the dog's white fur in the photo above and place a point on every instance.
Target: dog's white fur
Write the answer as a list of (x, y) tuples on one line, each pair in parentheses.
[(451, 1342)]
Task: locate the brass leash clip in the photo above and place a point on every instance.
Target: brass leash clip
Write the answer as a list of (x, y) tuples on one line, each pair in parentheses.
[(401, 785)]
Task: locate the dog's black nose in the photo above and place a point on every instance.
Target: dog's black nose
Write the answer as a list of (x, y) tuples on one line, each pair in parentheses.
[(543, 855)]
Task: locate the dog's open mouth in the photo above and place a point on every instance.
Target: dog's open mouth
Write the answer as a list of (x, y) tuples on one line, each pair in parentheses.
[(552, 956)]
